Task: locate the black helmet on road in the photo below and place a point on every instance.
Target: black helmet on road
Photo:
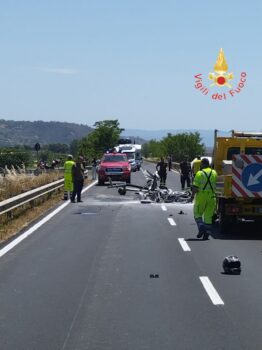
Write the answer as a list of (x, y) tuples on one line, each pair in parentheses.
[(232, 265)]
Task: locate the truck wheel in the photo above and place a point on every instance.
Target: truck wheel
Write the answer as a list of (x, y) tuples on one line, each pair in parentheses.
[(128, 180)]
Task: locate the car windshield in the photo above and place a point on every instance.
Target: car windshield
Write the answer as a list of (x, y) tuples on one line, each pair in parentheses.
[(115, 158)]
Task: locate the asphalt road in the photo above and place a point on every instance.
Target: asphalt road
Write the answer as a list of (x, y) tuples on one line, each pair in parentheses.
[(83, 280)]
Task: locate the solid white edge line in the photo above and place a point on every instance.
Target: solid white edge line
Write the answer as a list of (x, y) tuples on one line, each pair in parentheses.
[(27, 233), (163, 207), (171, 221), (184, 245), (211, 291)]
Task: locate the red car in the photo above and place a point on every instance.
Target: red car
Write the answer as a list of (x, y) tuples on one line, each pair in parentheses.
[(114, 166)]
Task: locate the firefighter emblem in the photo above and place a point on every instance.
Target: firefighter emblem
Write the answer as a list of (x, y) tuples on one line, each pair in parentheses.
[(220, 77)]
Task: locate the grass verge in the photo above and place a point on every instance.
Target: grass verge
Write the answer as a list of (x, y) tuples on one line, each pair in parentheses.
[(13, 222)]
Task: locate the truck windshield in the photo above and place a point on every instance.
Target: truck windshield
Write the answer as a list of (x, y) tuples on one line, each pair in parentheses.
[(231, 151), (253, 150)]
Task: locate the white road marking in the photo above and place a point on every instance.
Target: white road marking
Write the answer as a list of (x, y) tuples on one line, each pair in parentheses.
[(184, 245), (211, 291), (163, 207), (171, 221), (27, 233)]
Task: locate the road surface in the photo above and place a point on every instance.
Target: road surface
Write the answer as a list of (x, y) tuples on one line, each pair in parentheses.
[(112, 273)]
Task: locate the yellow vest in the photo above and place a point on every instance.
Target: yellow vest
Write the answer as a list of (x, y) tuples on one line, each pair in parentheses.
[(205, 180), (68, 177), (196, 166)]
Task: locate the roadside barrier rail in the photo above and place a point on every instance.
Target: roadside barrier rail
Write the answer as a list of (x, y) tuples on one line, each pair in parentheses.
[(21, 199), (26, 197)]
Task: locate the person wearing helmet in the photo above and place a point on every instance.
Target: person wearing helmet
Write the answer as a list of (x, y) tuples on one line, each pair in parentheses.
[(68, 179), (203, 193)]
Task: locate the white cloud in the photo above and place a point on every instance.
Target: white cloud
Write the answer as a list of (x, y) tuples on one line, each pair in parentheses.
[(63, 71)]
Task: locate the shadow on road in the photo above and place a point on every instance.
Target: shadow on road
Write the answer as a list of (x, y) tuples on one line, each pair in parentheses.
[(194, 240), (241, 231)]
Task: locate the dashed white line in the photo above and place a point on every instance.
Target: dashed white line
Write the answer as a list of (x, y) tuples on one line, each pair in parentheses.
[(211, 291), (163, 207), (171, 221), (184, 245)]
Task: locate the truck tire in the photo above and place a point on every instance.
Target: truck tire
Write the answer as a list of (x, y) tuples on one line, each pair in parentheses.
[(128, 180)]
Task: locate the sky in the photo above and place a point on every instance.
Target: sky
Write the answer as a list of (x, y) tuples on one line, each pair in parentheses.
[(84, 61)]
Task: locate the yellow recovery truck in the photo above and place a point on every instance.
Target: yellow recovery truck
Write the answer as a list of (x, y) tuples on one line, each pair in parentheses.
[(238, 162)]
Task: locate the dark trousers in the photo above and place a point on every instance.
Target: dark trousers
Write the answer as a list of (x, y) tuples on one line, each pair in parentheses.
[(185, 179), (162, 178), (169, 166), (78, 186)]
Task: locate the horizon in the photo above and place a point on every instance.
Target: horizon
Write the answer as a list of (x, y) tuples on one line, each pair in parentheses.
[(133, 129)]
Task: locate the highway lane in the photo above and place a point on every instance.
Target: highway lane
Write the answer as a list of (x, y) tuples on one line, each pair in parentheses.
[(82, 281)]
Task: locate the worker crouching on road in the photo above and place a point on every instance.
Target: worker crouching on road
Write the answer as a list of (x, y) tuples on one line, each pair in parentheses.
[(78, 174), (68, 179), (203, 192)]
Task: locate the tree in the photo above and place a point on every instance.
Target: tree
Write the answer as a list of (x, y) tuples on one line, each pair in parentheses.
[(74, 145), (58, 147), (104, 137), (12, 157), (179, 146)]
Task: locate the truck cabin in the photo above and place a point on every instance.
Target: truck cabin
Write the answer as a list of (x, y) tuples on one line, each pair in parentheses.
[(239, 143)]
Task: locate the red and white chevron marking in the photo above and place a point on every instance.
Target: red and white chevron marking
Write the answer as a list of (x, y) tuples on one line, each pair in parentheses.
[(238, 188)]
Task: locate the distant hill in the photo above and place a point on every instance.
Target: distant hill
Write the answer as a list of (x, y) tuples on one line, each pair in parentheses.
[(206, 135), (14, 133)]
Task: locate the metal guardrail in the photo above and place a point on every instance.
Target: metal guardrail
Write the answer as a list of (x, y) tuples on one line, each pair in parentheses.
[(21, 199), (26, 197)]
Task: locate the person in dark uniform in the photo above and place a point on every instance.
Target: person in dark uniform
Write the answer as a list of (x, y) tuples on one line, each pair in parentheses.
[(161, 169), (78, 175), (185, 173), (169, 160)]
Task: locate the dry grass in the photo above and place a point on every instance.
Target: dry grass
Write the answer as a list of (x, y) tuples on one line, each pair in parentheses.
[(13, 184), (12, 223)]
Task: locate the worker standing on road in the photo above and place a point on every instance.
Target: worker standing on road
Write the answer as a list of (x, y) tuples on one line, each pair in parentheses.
[(196, 165), (161, 169), (204, 187), (68, 179), (169, 162), (78, 175), (185, 173)]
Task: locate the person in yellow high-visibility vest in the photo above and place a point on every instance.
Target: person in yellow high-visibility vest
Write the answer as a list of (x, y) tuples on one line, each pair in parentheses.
[(196, 165), (68, 177), (203, 192)]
